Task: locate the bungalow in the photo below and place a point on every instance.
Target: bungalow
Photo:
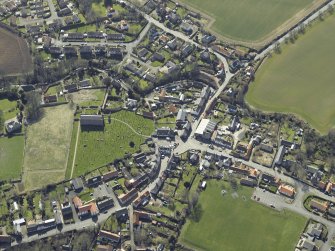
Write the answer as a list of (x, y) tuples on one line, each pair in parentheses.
[(172, 44), (92, 120), (319, 206), (286, 190), (108, 237)]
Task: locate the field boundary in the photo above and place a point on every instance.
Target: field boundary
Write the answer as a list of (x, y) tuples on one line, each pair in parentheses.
[(278, 32)]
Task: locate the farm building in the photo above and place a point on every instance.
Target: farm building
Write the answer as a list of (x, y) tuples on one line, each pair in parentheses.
[(205, 129), (92, 120)]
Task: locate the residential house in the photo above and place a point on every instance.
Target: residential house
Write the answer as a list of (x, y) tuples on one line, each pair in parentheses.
[(77, 184), (320, 206), (50, 99), (77, 202), (105, 204), (110, 175), (70, 88), (315, 230), (108, 237), (13, 126), (5, 240), (90, 209), (181, 118), (286, 190), (128, 197)]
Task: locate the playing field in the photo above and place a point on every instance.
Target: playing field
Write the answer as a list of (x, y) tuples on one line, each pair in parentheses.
[(301, 79), (232, 222), (11, 157), (99, 147), (249, 20), (14, 54), (47, 147)]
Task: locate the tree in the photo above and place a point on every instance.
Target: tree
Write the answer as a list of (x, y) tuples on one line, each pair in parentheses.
[(277, 48), (33, 109)]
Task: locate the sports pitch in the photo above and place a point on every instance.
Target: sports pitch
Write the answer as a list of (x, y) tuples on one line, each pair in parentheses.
[(300, 80), (250, 20), (233, 222)]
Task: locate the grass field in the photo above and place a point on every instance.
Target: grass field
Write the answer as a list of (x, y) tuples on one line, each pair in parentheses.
[(8, 108), (47, 147), (248, 20), (99, 147), (235, 223), (14, 54), (89, 97), (301, 79), (11, 156)]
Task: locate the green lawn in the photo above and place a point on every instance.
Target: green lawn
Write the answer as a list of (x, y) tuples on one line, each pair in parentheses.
[(99, 147), (300, 80), (248, 20), (8, 108), (236, 224), (47, 147), (11, 155)]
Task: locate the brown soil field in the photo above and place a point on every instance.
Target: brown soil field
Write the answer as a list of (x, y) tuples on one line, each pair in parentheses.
[(14, 54)]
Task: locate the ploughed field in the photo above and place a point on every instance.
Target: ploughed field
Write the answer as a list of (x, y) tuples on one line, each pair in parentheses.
[(300, 80), (251, 20), (233, 222), (14, 54)]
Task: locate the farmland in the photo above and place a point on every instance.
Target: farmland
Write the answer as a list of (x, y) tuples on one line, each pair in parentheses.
[(98, 147), (300, 79), (11, 155), (47, 147), (226, 218), (14, 54), (249, 20)]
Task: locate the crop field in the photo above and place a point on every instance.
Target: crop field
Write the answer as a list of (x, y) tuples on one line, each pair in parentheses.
[(8, 108), (11, 156), (251, 20), (47, 147), (237, 223), (98, 147), (14, 54), (300, 80)]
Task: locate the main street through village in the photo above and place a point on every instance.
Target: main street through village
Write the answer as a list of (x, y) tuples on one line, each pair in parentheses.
[(192, 143)]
